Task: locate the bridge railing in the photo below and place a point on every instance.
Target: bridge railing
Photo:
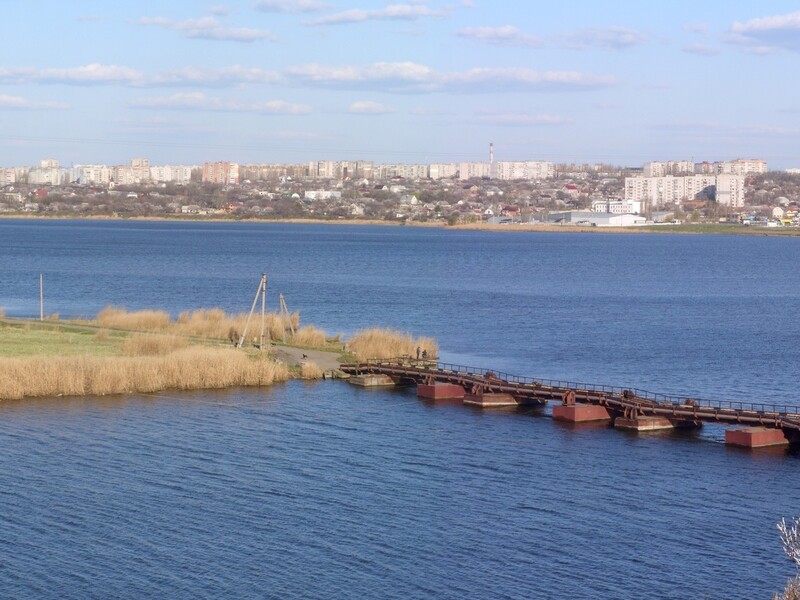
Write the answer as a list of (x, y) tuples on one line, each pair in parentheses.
[(682, 402)]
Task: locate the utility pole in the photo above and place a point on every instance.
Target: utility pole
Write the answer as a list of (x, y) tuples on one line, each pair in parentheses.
[(41, 297), (286, 317), (262, 289), (263, 309)]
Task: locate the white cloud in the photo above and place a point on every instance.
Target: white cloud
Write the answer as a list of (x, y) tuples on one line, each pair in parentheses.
[(408, 77), (501, 36), (511, 79), (208, 28), (220, 10), (296, 135), (701, 49), (696, 27), (20, 103), (202, 102), (518, 119), (615, 38), (203, 77), (291, 6), (767, 33), (94, 73), (366, 107), (394, 77), (393, 12), (99, 74), (765, 131)]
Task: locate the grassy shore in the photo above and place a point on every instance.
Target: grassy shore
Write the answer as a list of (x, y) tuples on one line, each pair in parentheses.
[(84, 358), (147, 351), (688, 228)]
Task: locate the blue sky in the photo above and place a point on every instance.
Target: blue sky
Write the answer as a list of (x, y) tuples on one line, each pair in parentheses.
[(420, 81)]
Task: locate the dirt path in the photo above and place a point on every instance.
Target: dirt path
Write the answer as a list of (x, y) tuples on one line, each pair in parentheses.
[(327, 361)]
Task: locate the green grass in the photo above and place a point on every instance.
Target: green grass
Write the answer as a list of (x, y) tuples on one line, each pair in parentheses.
[(32, 339), (722, 228)]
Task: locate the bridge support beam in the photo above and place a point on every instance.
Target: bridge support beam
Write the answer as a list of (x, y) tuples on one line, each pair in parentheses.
[(372, 380), (440, 391), (644, 423), (491, 400), (755, 437), (580, 413)]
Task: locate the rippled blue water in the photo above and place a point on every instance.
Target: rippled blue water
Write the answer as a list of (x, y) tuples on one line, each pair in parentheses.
[(324, 491)]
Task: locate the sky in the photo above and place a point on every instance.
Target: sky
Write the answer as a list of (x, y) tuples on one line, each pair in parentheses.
[(420, 81)]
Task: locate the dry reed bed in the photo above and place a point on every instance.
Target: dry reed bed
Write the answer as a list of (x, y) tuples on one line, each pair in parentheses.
[(388, 343), (310, 370), (187, 369), (309, 336), (152, 344), (211, 323)]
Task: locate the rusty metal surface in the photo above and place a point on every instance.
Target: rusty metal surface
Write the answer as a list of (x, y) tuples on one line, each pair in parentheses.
[(624, 401)]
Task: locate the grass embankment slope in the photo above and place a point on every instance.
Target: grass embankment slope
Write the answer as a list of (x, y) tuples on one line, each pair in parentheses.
[(688, 228), (147, 351), (70, 360)]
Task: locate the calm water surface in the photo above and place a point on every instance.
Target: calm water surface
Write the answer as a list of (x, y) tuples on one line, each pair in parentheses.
[(325, 491)]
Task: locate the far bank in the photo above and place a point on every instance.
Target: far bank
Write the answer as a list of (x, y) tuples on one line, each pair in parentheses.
[(683, 229)]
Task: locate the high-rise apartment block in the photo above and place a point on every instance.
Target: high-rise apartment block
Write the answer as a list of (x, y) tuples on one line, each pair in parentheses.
[(91, 174), (670, 167), (221, 173), (181, 174), (742, 166), (662, 191)]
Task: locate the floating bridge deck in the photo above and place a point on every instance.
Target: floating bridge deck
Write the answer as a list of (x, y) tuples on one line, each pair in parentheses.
[(764, 424)]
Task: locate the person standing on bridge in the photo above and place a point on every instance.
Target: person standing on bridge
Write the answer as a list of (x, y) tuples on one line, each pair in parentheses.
[(417, 352)]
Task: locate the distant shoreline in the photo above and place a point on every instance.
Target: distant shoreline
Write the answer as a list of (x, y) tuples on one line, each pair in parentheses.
[(684, 229)]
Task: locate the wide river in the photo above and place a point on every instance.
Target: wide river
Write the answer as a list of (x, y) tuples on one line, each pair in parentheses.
[(325, 491)]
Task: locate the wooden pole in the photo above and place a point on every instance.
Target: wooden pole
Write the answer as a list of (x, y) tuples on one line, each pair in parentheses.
[(263, 307), (41, 297), (252, 309)]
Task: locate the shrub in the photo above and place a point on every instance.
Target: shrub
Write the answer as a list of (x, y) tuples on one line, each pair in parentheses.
[(309, 336), (140, 320), (186, 369), (790, 538), (388, 343), (144, 344), (310, 370)]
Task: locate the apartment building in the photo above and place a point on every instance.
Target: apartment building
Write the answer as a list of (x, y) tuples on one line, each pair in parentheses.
[(91, 174), (742, 166), (221, 173), (663, 191), (181, 174), (670, 167), (443, 171), (529, 169)]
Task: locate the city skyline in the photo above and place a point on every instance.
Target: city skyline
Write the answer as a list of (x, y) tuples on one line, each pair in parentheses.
[(299, 80)]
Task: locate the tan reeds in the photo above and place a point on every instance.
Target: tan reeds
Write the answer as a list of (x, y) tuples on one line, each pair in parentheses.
[(101, 335), (2, 312), (140, 320), (152, 344), (388, 343), (310, 370), (211, 322), (187, 369), (309, 336)]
